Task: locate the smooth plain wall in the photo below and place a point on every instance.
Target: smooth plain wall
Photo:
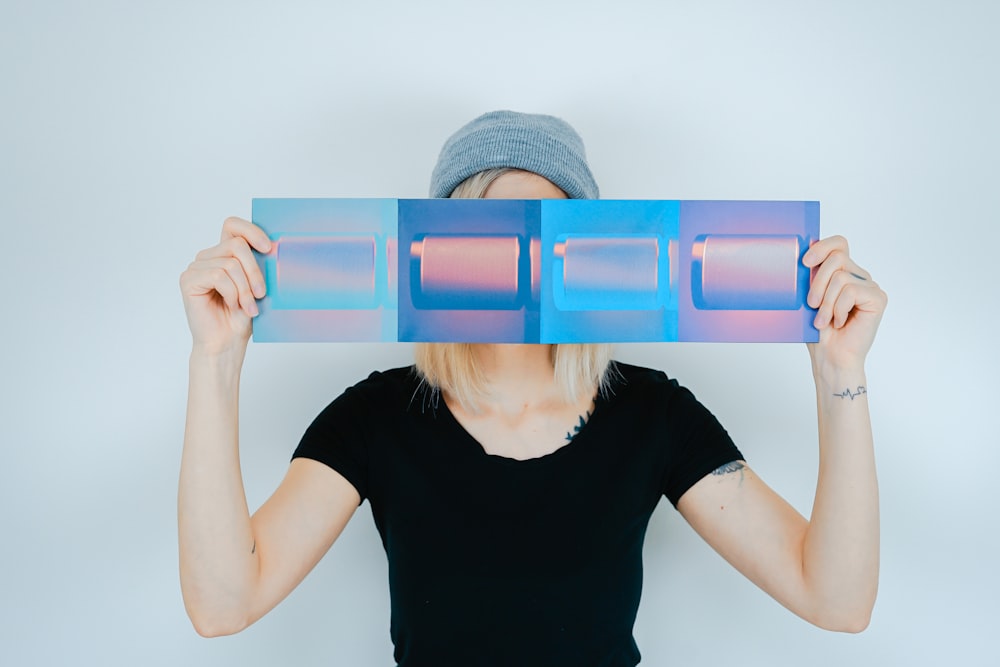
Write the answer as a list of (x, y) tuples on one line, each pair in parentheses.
[(129, 131)]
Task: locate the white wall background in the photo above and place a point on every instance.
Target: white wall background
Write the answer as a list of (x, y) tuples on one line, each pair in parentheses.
[(128, 131)]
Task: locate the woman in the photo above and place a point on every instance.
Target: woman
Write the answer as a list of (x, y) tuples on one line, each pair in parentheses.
[(512, 484)]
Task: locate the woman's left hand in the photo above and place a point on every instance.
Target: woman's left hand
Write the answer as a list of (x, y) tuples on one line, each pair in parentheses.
[(850, 306)]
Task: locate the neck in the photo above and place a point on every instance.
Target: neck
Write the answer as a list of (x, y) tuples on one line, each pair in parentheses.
[(520, 373)]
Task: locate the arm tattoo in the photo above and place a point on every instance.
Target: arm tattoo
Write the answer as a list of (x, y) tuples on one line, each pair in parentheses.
[(847, 393), (253, 549), (732, 466), (576, 429)]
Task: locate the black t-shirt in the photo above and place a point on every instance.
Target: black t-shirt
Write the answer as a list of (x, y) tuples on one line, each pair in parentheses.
[(495, 561)]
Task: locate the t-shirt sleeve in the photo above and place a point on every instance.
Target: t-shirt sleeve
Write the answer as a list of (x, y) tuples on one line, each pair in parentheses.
[(339, 439), (699, 444)]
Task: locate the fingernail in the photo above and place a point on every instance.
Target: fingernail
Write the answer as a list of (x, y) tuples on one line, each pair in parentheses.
[(254, 312)]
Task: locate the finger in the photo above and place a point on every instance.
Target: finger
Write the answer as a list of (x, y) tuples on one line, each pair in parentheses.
[(856, 298), (234, 269), (857, 271), (835, 261), (845, 303), (226, 288), (221, 249), (251, 268), (869, 297), (255, 236), (819, 251), (847, 294), (237, 247), (225, 275), (205, 278), (826, 307)]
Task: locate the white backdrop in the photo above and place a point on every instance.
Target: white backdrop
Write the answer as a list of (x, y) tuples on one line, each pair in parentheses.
[(129, 131)]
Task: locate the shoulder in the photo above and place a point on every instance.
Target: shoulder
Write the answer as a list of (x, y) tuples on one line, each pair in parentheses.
[(626, 381), (363, 411), (627, 373), (394, 384), (650, 389), (382, 392)]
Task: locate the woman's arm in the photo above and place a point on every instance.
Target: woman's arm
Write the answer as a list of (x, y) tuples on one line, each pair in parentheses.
[(825, 569), (233, 568)]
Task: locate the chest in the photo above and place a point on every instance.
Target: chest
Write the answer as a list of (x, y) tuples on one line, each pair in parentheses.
[(436, 491), (525, 434)]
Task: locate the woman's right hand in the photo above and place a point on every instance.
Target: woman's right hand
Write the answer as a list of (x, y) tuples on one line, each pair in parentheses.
[(221, 285)]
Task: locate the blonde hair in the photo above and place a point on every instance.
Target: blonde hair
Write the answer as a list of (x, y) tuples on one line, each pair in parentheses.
[(452, 367)]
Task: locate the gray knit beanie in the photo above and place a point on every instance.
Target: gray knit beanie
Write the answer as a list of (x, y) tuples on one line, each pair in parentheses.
[(544, 145)]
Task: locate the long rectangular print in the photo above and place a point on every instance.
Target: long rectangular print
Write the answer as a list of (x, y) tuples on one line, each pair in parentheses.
[(535, 271)]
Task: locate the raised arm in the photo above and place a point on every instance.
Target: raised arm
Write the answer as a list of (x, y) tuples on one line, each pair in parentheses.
[(825, 569), (235, 568)]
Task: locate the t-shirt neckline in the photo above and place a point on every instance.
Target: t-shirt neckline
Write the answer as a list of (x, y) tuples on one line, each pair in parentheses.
[(561, 452)]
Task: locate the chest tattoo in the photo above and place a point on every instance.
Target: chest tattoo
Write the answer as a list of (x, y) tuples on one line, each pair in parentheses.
[(576, 429)]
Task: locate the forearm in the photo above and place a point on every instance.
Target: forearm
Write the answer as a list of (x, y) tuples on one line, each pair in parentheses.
[(841, 545), (218, 563)]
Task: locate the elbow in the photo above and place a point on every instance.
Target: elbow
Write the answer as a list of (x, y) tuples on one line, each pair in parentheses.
[(851, 621), (853, 625), (845, 609), (215, 627), (213, 614), (209, 629), (216, 612), (861, 626), (215, 623)]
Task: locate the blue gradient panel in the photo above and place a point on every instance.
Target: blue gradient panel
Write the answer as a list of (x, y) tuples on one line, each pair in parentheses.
[(465, 270), (331, 273), (741, 277), (528, 271), (607, 274)]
